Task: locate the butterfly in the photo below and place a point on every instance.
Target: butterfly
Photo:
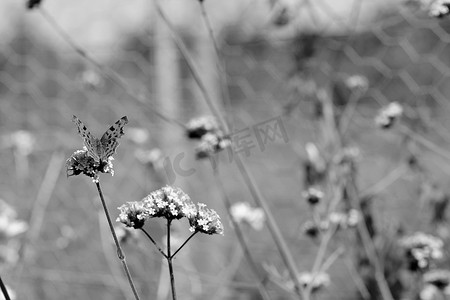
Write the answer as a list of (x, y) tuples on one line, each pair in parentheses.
[(101, 149)]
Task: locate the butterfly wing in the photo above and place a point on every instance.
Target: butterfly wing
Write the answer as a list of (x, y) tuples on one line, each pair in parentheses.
[(109, 141), (89, 140)]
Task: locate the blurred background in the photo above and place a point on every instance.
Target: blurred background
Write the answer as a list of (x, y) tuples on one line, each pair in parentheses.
[(276, 55)]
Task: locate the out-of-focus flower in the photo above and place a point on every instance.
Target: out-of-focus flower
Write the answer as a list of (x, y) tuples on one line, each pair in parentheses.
[(210, 144), (439, 278), (281, 16), (345, 220), (313, 195), (311, 229), (33, 3), (198, 127), (133, 214), (315, 165), (437, 285), (347, 155), (434, 8), (9, 253), (138, 135), (431, 292), (205, 220), (319, 281), (353, 218), (91, 80), (126, 235), (339, 219), (212, 137), (21, 141), (67, 236), (357, 83), (388, 115), (421, 250), (242, 212), (80, 162), (170, 203), (9, 225), (153, 157)]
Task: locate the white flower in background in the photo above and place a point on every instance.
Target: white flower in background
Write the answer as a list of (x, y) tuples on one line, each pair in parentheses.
[(242, 212), (319, 281), (23, 141), (357, 82), (91, 80), (138, 135), (314, 157), (434, 8), (198, 127), (153, 157), (353, 218), (422, 249), (388, 115), (9, 225), (313, 195)]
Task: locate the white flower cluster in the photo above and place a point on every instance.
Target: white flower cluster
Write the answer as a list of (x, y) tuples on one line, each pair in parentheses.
[(212, 137), (242, 212), (345, 220), (312, 195), (205, 220), (434, 8), (198, 127), (388, 115), (170, 203), (80, 162), (437, 284), (422, 249), (357, 82), (319, 281)]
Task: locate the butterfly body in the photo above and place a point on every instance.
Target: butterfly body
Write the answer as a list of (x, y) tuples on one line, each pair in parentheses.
[(101, 149)]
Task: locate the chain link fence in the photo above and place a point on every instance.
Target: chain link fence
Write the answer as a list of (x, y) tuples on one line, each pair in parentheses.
[(401, 51)]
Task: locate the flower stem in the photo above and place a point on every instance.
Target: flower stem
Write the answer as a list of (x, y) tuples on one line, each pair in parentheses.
[(4, 290), (154, 243), (185, 242), (169, 261), (120, 253), (240, 236)]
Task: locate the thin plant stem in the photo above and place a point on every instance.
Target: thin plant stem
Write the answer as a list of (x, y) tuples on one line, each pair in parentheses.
[(154, 243), (169, 261), (369, 247), (359, 282), (240, 236), (331, 259), (348, 112), (4, 290), (319, 259), (386, 181), (185, 242), (248, 178), (107, 72), (426, 143), (220, 63), (280, 242), (40, 205), (114, 268), (120, 253), (192, 66)]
